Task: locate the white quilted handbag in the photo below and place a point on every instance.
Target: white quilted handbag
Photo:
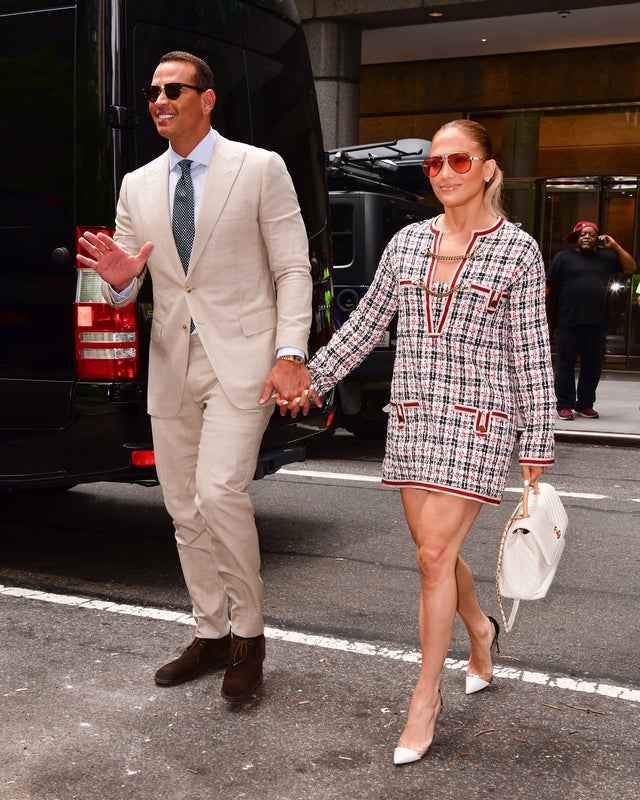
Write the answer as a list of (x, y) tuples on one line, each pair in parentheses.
[(531, 546)]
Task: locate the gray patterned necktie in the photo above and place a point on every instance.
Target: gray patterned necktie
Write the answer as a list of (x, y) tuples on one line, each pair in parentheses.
[(183, 222)]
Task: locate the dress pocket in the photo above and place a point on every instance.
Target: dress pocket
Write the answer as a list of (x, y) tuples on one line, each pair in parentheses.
[(490, 299), (483, 420), (399, 411)]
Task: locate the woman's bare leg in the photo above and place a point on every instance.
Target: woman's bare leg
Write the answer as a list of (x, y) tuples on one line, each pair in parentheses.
[(478, 625), (438, 525)]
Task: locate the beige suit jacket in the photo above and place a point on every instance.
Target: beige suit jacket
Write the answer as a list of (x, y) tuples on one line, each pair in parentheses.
[(248, 287)]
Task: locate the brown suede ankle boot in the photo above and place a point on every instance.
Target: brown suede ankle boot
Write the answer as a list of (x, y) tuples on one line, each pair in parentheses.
[(244, 669), (200, 656)]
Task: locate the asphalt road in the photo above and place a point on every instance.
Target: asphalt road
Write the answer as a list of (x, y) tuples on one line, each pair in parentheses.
[(93, 602)]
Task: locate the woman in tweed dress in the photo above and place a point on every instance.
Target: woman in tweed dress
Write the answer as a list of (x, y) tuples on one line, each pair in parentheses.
[(472, 354)]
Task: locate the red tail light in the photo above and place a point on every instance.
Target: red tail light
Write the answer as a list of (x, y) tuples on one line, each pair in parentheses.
[(143, 458), (107, 340)]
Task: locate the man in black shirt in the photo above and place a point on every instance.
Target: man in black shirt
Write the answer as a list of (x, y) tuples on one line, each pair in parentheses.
[(581, 276)]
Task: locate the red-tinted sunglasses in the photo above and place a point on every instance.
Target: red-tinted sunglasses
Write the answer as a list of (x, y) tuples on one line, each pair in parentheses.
[(459, 162)]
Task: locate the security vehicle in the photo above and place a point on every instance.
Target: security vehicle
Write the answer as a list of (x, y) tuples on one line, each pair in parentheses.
[(375, 190)]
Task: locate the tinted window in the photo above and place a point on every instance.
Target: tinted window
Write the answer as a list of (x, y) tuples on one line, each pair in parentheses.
[(284, 119), (36, 124), (343, 234), (36, 195)]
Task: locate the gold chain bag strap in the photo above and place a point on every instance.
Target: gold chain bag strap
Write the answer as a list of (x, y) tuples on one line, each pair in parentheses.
[(532, 543)]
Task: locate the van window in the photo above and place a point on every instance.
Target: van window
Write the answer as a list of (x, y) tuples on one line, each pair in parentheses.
[(36, 198), (287, 122), (36, 124), (343, 235)]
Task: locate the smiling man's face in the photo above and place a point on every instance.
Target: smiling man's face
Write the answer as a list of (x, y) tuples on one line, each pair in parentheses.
[(185, 120)]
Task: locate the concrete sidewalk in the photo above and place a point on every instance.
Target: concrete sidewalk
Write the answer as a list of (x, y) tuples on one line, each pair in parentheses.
[(618, 403)]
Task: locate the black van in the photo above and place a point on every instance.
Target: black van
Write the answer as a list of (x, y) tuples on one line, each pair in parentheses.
[(72, 369), (376, 190)]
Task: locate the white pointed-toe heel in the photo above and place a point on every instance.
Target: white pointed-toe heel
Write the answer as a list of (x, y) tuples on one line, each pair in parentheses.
[(405, 755), (474, 683)]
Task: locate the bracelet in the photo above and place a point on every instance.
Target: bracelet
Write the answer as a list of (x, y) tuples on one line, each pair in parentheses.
[(295, 359)]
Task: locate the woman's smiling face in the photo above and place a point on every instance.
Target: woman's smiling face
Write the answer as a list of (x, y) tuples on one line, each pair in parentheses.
[(452, 188)]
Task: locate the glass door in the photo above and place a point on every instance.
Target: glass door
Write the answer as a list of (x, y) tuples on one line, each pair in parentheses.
[(612, 203), (620, 220)]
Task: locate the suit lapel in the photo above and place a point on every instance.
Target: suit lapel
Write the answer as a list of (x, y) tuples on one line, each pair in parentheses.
[(223, 171), (158, 204)]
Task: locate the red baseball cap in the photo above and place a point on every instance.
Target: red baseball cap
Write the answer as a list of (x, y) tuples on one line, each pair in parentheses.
[(575, 233)]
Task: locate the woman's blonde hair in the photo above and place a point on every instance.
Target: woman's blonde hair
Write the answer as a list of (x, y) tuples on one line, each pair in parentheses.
[(480, 135)]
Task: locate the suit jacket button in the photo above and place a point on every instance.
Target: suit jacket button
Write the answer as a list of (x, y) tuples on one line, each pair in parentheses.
[(187, 289), (184, 327)]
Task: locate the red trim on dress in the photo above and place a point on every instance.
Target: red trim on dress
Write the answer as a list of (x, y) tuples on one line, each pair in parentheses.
[(437, 235), (432, 487), (399, 409)]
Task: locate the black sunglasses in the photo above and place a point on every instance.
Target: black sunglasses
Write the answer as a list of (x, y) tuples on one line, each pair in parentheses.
[(172, 91)]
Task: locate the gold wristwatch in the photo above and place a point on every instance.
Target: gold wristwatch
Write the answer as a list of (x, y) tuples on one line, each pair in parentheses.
[(291, 357)]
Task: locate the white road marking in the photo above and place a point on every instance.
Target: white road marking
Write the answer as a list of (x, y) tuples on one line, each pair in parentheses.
[(341, 476), (332, 643), (348, 476)]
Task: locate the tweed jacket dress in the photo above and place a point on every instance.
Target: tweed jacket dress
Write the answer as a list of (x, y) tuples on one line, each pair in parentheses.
[(468, 364)]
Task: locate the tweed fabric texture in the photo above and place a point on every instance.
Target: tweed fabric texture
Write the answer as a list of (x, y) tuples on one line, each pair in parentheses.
[(467, 366)]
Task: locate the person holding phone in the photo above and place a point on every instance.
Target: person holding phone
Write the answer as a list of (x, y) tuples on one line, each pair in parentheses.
[(580, 275)]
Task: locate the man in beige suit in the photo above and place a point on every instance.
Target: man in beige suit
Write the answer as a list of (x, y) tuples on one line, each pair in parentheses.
[(230, 329)]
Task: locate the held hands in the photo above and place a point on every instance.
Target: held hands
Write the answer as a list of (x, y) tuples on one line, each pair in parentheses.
[(111, 262), (300, 403), (290, 385)]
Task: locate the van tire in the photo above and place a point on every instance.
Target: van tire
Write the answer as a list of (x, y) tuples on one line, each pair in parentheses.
[(371, 421)]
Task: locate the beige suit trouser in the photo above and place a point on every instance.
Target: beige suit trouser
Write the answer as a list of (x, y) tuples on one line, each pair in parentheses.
[(206, 457)]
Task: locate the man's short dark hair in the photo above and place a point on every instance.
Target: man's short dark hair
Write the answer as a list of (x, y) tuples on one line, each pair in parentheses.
[(204, 73)]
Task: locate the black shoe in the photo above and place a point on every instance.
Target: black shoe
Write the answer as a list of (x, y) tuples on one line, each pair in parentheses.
[(200, 656)]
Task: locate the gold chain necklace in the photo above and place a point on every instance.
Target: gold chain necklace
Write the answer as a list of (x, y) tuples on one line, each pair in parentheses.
[(469, 256), (446, 293)]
